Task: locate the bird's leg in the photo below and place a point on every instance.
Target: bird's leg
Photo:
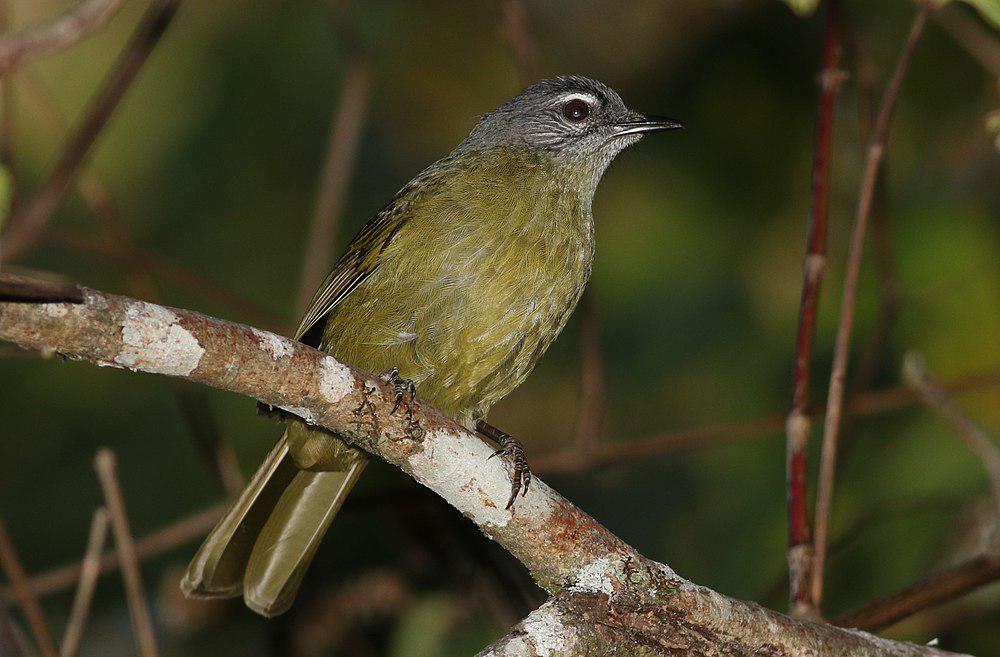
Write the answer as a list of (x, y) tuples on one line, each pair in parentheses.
[(404, 391), (512, 452)]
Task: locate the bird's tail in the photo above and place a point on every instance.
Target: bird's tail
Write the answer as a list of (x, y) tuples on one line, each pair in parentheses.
[(264, 544)]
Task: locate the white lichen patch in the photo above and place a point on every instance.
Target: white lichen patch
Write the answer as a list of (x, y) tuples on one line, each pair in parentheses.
[(55, 310), (456, 465), (599, 576), (154, 341), (303, 413), (336, 381), (94, 299), (275, 345), (546, 632)]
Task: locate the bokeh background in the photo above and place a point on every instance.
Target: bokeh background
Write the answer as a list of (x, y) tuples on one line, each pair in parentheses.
[(213, 162)]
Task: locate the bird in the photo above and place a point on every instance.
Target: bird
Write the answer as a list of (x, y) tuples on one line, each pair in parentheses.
[(454, 289)]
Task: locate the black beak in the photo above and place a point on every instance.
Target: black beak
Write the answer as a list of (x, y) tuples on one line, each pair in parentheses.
[(640, 125)]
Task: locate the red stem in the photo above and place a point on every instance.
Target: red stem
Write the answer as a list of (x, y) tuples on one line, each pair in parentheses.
[(799, 541)]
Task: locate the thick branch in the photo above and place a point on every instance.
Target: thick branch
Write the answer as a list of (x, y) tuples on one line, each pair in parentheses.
[(564, 548)]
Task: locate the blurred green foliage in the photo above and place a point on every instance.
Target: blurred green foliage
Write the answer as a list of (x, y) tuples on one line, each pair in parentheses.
[(213, 160)]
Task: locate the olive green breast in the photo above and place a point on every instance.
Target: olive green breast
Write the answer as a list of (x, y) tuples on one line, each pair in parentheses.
[(490, 257)]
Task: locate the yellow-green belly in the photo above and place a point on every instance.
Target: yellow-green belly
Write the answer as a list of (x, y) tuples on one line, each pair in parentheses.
[(470, 293)]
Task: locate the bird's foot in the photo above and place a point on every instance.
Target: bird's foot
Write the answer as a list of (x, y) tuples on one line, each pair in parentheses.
[(273, 412), (404, 391), (512, 452)]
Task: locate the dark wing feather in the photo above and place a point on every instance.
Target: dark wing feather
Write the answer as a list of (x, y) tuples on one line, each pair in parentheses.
[(365, 251), (358, 263)]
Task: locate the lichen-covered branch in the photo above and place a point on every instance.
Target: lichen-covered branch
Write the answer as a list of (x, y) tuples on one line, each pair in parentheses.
[(566, 550), (596, 624)]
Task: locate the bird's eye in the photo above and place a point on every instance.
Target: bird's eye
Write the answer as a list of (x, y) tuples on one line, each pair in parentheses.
[(576, 110)]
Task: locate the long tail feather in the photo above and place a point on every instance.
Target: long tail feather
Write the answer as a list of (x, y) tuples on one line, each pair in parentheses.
[(217, 569), (288, 541)]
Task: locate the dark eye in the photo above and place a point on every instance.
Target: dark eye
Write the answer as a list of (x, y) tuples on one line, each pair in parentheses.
[(576, 110)]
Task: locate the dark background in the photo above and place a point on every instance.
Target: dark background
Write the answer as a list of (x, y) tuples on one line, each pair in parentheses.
[(213, 160)]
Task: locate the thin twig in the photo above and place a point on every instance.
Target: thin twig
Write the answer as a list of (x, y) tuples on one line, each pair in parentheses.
[(933, 394), (138, 607), (940, 587), (172, 273), (797, 425), (215, 451), (166, 538), (969, 33), (636, 449), (12, 640), (60, 33), (116, 244), (838, 375), (25, 594), (346, 125), (26, 290), (90, 569), (27, 224), (518, 34), (889, 289)]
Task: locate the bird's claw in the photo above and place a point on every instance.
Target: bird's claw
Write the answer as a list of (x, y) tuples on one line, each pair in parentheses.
[(403, 389), (512, 452), (404, 392)]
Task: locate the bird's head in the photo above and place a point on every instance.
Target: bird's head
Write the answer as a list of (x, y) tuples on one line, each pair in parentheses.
[(580, 123)]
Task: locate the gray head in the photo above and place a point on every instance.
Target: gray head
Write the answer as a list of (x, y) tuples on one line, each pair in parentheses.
[(573, 118)]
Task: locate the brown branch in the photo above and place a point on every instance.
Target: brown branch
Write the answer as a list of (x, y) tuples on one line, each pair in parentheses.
[(574, 623), (12, 640), (145, 268), (346, 125), (25, 595), (16, 289), (515, 29), (563, 548), (60, 33), (889, 290), (939, 588), (177, 533), (933, 394), (90, 569), (172, 273), (868, 403), (214, 449), (969, 33), (189, 528), (797, 425), (838, 375), (138, 607), (28, 223)]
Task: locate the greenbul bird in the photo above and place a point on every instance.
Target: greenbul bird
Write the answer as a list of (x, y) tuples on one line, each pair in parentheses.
[(456, 287)]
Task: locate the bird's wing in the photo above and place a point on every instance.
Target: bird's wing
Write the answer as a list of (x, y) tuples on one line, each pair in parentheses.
[(365, 251), (361, 259)]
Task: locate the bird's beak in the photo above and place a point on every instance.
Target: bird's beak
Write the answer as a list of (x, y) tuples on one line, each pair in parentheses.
[(638, 124)]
